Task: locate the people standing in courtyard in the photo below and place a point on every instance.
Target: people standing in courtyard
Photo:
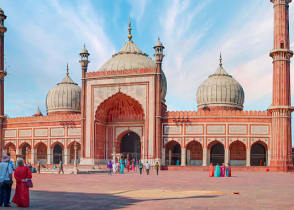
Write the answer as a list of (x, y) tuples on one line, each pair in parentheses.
[(147, 166), (140, 167), (228, 171), (39, 166), (211, 170), (217, 171), (109, 166), (22, 175), (222, 170), (60, 167), (128, 165), (157, 168), (121, 166), (5, 181)]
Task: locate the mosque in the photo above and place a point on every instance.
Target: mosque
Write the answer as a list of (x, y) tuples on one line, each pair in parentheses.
[(120, 110)]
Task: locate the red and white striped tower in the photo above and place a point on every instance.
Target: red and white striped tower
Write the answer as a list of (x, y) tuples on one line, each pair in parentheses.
[(281, 144), (2, 76)]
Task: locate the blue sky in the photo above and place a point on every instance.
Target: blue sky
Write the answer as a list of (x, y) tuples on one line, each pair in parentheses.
[(43, 36)]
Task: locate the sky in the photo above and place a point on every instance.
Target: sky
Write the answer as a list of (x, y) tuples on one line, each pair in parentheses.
[(43, 36)]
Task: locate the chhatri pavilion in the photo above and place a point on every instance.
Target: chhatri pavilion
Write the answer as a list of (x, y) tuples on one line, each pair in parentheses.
[(120, 111)]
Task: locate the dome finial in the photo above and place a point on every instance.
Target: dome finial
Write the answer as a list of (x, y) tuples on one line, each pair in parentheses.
[(220, 60), (130, 29), (67, 70)]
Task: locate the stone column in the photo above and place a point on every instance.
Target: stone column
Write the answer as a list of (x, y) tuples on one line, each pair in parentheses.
[(188, 157), (204, 158), (163, 157), (49, 156), (248, 157), (227, 156), (32, 156), (66, 156), (169, 157), (183, 157)]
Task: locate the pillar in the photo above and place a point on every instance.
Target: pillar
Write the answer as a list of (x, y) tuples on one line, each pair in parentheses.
[(204, 158), (169, 157), (183, 156), (67, 156), (49, 156), (163, 157), (227, 156), (248, 157), (188, 157), (33, 153)]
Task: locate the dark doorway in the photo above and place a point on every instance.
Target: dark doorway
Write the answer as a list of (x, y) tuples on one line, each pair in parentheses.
[(130, 146), (176, 155), (57, 154), (258, 155), (217, 154)]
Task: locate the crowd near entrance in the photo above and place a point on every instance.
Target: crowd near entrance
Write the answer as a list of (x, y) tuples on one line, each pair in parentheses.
[(130, 146)]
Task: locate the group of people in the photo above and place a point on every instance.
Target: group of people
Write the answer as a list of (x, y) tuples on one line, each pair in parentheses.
[(22, 175), (115, 167), (220, 171)]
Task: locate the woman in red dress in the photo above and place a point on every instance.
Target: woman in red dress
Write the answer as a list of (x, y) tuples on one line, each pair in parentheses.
[(211, 170), (22, 174)]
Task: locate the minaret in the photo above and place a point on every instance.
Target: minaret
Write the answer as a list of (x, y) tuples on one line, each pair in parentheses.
[(2, 76), (281, 143), (158, 58), (84, 64)]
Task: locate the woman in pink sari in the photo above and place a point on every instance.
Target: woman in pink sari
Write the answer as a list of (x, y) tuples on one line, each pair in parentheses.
[(133, 165), (222, 170), (22, 174)]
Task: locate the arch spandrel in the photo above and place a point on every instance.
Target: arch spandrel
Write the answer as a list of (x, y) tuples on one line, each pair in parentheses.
[(168, 140), (241, 140), (263, 141), (190, 140)]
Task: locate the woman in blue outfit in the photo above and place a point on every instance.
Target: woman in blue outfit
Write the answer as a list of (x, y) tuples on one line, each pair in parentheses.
[(217, 171), (121, 166)]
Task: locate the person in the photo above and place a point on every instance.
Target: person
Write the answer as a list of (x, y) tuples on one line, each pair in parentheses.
[(228, 171), (147, 166), (222, 170), (121, 166), (22, 174), (39, 166), (178, 162), (60, 167), (211, 170), (128, 165), (157, 168), (140, 167), (10, 186), (217, 171), (5, 181), (133, 165), (114, 168), (109, 166)]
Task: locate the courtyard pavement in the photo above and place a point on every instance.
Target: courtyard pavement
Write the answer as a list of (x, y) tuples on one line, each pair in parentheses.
[(169, 190)]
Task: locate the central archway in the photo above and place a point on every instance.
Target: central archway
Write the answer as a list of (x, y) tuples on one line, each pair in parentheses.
[(258, 154), (217, 153), (130, 146)]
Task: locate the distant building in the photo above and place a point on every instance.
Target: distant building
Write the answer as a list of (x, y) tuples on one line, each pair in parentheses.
[(120, 111)]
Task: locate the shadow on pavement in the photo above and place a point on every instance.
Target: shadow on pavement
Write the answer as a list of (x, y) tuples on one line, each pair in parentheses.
[(76, 200)]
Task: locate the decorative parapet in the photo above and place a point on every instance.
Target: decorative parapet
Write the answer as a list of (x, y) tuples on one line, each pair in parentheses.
[(119, 72), (66, 117), (218, 113)]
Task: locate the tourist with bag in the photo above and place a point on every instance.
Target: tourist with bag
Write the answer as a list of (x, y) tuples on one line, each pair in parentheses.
[(5, 180), (23, 176)]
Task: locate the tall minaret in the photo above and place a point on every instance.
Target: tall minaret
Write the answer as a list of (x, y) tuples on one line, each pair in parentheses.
[(2, 76), (158, 58), (84, 61), (281, 143)]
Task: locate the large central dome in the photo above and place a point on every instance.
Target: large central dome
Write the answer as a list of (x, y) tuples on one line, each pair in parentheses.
[(220, 91)]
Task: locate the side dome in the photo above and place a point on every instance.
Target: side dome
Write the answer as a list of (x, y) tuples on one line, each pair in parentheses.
[(64, 98), (220, 91)]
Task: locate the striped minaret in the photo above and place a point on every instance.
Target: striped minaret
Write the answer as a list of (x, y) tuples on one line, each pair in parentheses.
[(281, 143)]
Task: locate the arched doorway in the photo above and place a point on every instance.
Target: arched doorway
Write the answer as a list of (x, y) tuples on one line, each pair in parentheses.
[(41, 153), (57, 154), (11, 149), (130, 146), (73, 151), (217, 153), (237, 154), (173, 153), (258, 155), (194, 153), (25, 150)]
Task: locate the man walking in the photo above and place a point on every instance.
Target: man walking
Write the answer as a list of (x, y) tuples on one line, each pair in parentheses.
[(157, 168), (60, 167), (5, 180), (39, 166), (140, 167), (147, 168)]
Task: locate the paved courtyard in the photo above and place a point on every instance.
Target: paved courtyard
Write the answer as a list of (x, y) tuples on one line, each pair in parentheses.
[(169, 190)]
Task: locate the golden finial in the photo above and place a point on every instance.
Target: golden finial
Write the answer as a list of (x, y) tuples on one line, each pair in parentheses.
[(67, 70), (220, 59), (130, 29)]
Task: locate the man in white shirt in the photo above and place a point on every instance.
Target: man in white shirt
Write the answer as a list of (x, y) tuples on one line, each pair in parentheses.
[(147, 166), (5, 180)]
